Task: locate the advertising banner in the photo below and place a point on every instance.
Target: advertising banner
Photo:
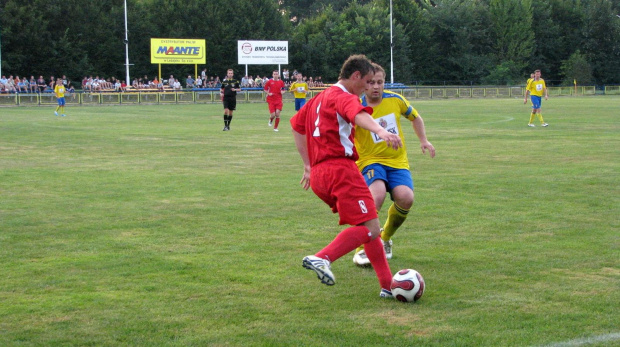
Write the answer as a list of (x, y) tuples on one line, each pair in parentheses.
[(262, 52), (178, 51)]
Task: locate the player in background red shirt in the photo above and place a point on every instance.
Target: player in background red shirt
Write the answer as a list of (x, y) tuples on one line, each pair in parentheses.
[(275, 88), (324, 131)]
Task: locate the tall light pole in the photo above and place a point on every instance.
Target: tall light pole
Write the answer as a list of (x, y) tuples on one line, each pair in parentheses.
[(127, 80), (391, 47)]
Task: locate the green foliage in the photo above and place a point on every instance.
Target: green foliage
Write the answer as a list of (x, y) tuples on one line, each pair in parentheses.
[(576, 68), (435, 42), (512, 34), (506, 73)]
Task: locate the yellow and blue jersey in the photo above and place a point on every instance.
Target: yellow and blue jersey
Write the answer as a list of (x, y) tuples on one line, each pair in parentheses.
[(299, 89), (536, 88), (370, 147), (59, 90)]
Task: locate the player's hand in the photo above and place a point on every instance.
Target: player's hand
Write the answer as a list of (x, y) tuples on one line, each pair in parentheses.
[(305, 179), (525, 101), (428, 146), (390, 139)]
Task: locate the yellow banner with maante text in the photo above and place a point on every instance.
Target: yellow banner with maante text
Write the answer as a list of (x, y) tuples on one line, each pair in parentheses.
[(178, 51)]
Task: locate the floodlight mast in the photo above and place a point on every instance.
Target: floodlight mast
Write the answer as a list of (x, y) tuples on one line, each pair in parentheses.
[(127, 80), (391, 47)]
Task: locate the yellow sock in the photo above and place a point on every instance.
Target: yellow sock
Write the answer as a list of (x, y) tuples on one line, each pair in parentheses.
[(540, 118), (396, 217), (532, 117)]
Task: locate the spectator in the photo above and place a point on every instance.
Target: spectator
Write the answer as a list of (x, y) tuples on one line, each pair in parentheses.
[(22, 85), (285, 76), (32, 84), (10, 85), (176, 85), (198, 82), (189, 82), (41, 84)]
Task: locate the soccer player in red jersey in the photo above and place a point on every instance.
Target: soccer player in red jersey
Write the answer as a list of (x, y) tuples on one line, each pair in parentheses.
[(324, 131), (274, 89)]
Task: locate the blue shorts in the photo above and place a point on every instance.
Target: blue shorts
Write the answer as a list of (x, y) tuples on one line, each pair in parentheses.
[(299, 103), (391, 176), (536, 101), (61, 101)]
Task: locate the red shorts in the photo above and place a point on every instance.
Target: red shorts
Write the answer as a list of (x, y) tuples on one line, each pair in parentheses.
[(340, 184), (274, 105)]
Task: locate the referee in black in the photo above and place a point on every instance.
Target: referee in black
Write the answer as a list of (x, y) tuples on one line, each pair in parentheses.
[(228, 92)]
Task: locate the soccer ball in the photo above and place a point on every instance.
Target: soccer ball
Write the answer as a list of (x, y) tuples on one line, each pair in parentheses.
[(407, 285)]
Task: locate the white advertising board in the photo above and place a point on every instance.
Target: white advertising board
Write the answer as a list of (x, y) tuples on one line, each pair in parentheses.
[(262, 52)]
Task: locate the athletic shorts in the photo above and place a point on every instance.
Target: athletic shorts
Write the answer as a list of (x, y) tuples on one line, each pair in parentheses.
[(230, 103), (536, 101), (391, 176), (299, 103), (61, 101), (340, 185), (274, 105)]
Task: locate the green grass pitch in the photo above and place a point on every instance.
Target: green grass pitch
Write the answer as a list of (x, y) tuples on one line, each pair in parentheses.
[(148, 225)]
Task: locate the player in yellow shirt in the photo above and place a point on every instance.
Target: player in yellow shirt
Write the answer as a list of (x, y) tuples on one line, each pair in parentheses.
[(299, 89), (386, 169), (59, 91), (536, 87)]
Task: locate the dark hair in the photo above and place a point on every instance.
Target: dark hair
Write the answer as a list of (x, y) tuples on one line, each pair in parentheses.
[(355, 63), (378, 68)]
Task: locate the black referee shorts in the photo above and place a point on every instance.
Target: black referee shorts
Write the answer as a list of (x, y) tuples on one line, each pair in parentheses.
[(230, 103)]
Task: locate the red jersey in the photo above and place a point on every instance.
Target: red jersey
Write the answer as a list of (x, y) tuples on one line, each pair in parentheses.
[(328, 121), (274, 87)]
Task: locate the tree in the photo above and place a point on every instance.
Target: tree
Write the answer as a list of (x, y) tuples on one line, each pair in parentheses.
[(576, 68), (321, 44), (601, 40), (512, 35)]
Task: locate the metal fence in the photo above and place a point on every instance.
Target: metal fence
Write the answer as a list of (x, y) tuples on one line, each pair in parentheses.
[(258, 95)]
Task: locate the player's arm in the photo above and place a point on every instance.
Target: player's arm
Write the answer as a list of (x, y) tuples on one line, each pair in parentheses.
[(527, 91), (302, 148), (420, 131), (546, 90), (365, 121), (266, 88)]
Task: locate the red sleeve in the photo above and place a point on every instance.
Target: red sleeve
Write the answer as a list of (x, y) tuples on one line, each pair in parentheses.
[(298, 122), (350, 107)]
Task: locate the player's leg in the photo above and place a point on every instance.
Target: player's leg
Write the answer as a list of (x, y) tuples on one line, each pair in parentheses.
[(272, 112), (376, 255), (340, 186), (232, 106), (277, 115), (375, 176), (226, 111), (540, 118)]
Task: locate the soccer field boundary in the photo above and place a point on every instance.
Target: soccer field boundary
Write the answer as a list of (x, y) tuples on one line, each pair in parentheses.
[(606, 338)]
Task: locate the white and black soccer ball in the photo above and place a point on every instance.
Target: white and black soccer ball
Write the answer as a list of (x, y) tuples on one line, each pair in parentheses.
[(407, 285)]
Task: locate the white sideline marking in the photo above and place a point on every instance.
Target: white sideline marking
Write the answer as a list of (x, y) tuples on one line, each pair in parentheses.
[(500, 121), (587, 340)]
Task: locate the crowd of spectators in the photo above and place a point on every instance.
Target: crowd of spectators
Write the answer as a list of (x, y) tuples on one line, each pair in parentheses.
[(31, 85), (98, 84), (288, 78)]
